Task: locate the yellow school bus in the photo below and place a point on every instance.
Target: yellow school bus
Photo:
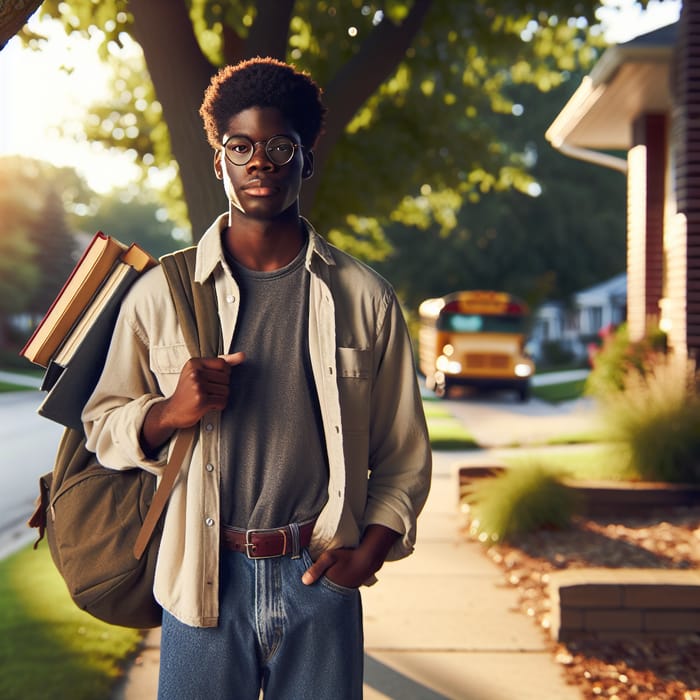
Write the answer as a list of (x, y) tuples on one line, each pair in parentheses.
[(476, 339)]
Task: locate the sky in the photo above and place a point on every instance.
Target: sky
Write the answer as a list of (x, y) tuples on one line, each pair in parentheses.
[(37, 94)]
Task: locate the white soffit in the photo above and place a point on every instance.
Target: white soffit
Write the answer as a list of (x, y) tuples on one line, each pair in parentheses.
[(629, 80)]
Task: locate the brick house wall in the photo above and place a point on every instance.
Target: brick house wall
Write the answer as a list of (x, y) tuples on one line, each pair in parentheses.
[(683, 227)]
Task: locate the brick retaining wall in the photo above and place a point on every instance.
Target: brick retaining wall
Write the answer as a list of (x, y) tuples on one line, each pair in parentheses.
[(624, 603)]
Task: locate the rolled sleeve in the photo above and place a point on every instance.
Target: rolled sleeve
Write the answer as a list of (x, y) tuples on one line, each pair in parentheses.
[(115, 436), (400, 455)]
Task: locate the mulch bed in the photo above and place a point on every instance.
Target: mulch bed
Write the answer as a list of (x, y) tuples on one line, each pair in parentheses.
[(664, 669)]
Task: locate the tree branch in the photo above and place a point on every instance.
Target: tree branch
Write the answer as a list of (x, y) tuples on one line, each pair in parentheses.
[(13, 16), (359, 78), (378, 58)]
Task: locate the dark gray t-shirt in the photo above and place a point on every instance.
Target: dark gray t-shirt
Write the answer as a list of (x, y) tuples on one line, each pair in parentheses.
[(274, 465)]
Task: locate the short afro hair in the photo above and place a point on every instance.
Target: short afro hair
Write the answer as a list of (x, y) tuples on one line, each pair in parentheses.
[(263, 82)]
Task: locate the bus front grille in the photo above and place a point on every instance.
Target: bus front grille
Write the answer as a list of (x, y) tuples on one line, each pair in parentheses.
[(485, 361)]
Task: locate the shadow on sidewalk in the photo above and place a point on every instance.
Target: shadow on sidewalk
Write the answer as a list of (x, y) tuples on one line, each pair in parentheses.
[(393, 684)]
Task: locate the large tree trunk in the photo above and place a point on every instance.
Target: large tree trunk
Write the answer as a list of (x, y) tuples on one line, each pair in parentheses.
[(180, 74)]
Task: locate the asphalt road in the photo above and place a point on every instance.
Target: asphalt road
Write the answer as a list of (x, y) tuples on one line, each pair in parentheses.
[(28, 449)]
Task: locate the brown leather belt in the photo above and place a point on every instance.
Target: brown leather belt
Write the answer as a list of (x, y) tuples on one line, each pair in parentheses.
[(265, 544)]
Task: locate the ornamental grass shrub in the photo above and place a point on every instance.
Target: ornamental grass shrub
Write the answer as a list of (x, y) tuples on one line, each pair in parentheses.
[(619, 357), (520, 499), (655, 419)]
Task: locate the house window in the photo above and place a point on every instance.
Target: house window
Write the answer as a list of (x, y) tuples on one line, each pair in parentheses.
[(595, 319)]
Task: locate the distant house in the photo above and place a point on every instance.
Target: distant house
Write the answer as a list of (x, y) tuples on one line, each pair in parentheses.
[(602, 306), (642, 99), (593, 310)]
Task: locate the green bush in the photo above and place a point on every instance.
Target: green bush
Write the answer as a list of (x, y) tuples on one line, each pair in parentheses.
[(656, 418), (619, 357), (10, 360), (521, 499)]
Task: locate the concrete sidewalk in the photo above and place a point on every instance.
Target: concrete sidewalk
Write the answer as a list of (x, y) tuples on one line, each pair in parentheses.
[(442, 623), (439, 624)]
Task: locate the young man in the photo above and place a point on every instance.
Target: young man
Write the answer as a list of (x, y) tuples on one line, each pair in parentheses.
[(313, 459)]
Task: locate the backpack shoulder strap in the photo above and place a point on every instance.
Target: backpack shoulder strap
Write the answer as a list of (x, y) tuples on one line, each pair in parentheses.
[(195, 303)]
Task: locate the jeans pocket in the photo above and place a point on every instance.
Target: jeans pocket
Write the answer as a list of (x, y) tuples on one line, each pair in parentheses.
[(326, 583), (337, 588)]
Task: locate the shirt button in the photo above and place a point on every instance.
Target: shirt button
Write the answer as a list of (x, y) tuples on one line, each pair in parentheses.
[(230, 298), (209, 427), (209, 522), (209, 467)]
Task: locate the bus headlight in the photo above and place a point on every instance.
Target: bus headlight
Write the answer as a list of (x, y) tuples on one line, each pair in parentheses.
[(444, 364), (454, 367), (522, 369)]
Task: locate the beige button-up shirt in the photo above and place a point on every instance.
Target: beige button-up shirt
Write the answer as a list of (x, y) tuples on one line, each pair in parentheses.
[(374, 426)]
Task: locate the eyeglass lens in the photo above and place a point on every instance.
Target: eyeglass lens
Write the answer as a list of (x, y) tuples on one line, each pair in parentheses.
[(279, 149)]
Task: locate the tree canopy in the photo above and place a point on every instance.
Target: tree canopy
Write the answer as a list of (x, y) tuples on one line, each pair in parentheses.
[(411, 88), (48, 215), (36, 248), (567, 234)]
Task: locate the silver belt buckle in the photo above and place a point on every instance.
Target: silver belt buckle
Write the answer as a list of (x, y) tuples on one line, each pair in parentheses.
[(250, 546)]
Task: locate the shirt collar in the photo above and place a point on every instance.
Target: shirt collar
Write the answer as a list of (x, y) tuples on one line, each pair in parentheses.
[(210, 252), (317, 246)]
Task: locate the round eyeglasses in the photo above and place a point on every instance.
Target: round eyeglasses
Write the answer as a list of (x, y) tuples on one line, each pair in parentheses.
[(239, 150)]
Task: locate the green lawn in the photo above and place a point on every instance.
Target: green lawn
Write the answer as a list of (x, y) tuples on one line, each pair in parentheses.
[(597, 462), (6, 387), (49, 649), (556, 393), (446, 432)]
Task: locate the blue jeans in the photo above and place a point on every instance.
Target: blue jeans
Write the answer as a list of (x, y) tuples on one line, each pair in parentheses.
[(293, 641)]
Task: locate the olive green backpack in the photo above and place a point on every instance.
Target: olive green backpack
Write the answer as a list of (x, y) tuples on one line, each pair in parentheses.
[(103, 525)]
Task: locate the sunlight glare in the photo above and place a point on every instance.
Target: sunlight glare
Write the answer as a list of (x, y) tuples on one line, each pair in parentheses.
[(625, 19), (43, 90)]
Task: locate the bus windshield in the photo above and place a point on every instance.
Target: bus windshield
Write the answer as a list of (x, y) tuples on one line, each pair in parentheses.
[(482, 323)]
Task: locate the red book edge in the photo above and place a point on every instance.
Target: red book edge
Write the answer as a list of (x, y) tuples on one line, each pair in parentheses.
[(98, 236)]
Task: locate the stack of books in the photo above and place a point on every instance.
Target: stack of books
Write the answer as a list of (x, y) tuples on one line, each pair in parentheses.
[(72, 339)]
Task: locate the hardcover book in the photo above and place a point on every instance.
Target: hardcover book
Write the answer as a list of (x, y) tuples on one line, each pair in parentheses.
[(82, 284), (76, 360)]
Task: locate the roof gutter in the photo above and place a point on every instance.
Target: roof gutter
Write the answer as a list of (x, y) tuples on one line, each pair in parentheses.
[(587, 94), (590, 156)]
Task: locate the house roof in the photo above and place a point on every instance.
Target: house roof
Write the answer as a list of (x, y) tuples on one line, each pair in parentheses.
[(629, 79), (614, 290)]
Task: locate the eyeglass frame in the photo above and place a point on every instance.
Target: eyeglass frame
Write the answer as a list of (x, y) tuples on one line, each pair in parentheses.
[(255, 144)]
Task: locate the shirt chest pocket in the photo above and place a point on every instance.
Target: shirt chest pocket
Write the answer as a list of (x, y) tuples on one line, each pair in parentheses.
[(354, 371), (167, 362)]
